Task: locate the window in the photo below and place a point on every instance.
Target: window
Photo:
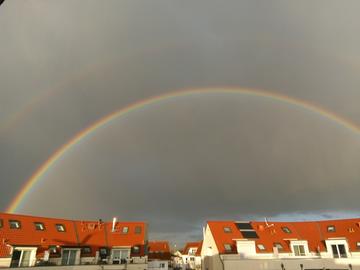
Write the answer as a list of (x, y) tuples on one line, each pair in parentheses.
[(14, 224), (278, 246), (358, 245), (86, 250), (261, 247), (299, 250), (125, 230), (137, 230), (39, 226), (227, 247), (339, 251), (286, 229), (162, 265), (60, 227), (136, 250), (331, 228), (227, 230), (1, 223)]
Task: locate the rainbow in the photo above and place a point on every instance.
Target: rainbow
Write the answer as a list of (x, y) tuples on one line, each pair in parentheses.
[(46, 166)]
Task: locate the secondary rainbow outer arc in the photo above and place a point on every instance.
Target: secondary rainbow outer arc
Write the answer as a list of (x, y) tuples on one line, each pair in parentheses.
[(134, 106)]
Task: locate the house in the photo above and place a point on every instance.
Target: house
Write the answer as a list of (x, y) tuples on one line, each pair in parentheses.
[(330, 244), (191, 255), (29, 241), (159, 255)]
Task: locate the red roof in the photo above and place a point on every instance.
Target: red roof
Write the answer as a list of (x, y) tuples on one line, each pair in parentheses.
[(197, 245), (95, 234), (159, 250), (315, 232)]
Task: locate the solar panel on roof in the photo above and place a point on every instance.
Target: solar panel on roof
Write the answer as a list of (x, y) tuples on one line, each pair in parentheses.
[(249, 234), (244, 226)]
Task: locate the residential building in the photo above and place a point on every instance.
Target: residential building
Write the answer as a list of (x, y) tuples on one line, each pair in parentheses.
[(330, 244), (29, 241), (159, 255), (191, 255)]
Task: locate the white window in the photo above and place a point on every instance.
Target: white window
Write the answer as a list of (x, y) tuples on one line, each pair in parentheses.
[(339, 251), (331, 228), (278, 246), (261, 247), (125, 230), (227, 230), (120, 256), (299, 250), (286, 229), (23, 257)]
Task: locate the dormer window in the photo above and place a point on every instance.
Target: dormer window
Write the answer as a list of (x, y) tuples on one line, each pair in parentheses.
[(286, 229), (14, 224), (39, 226), (227, 230), (331, 228), (227, 247), (261, 247), (125, 230), (60, 227)]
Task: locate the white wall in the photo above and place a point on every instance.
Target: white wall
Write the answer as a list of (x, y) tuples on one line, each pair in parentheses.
[(155, 265), (5, 262)]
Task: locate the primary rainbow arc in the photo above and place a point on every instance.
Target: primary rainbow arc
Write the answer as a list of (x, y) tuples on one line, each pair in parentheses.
[(46, 166)]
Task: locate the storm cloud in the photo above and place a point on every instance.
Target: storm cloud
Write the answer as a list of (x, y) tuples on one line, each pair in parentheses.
[(181, 161)]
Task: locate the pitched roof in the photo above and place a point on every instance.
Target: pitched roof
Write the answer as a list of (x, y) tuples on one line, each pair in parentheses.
[(315, 232), (189, 245), (159, 250), (77, 233)]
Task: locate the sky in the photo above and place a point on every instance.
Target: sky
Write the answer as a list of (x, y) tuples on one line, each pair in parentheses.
[(181, 161)]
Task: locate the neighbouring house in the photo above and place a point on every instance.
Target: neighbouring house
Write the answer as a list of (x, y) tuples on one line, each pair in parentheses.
[(159, 255), (29, 241), (191, 255), (330, 244)]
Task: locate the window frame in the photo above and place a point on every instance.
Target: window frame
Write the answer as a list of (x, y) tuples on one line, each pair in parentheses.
[(11, 221), (36, 223), (58, 225)]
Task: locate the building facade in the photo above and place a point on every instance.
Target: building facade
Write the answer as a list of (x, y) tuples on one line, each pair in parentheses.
[(331, 244), (30, 241), (191, 255), (159, 255)]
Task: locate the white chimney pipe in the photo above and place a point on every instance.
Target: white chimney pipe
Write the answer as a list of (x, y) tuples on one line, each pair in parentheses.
[(113, 224)]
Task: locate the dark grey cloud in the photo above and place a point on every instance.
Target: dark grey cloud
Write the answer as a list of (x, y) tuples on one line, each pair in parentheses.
[(65, 64)]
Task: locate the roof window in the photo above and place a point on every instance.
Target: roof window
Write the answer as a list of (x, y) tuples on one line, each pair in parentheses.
[(14, 224), (286, 229), (39, 226), (227, 230), (138, 230), (261, 247), (227, 247), (331, 228), (125, 230), (60, 227), (246, 230), (357, 245)]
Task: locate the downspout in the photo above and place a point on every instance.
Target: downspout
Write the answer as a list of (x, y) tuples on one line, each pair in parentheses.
[(222, 262)]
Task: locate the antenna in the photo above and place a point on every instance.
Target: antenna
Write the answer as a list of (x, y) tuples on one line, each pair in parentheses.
[(113, 224), (267, 224)]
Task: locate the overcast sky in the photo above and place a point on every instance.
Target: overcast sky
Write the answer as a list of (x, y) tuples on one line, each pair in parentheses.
[(182, 161)]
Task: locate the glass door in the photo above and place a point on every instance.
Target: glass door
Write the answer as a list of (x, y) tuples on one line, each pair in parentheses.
[(69, 257), (25, 258)]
